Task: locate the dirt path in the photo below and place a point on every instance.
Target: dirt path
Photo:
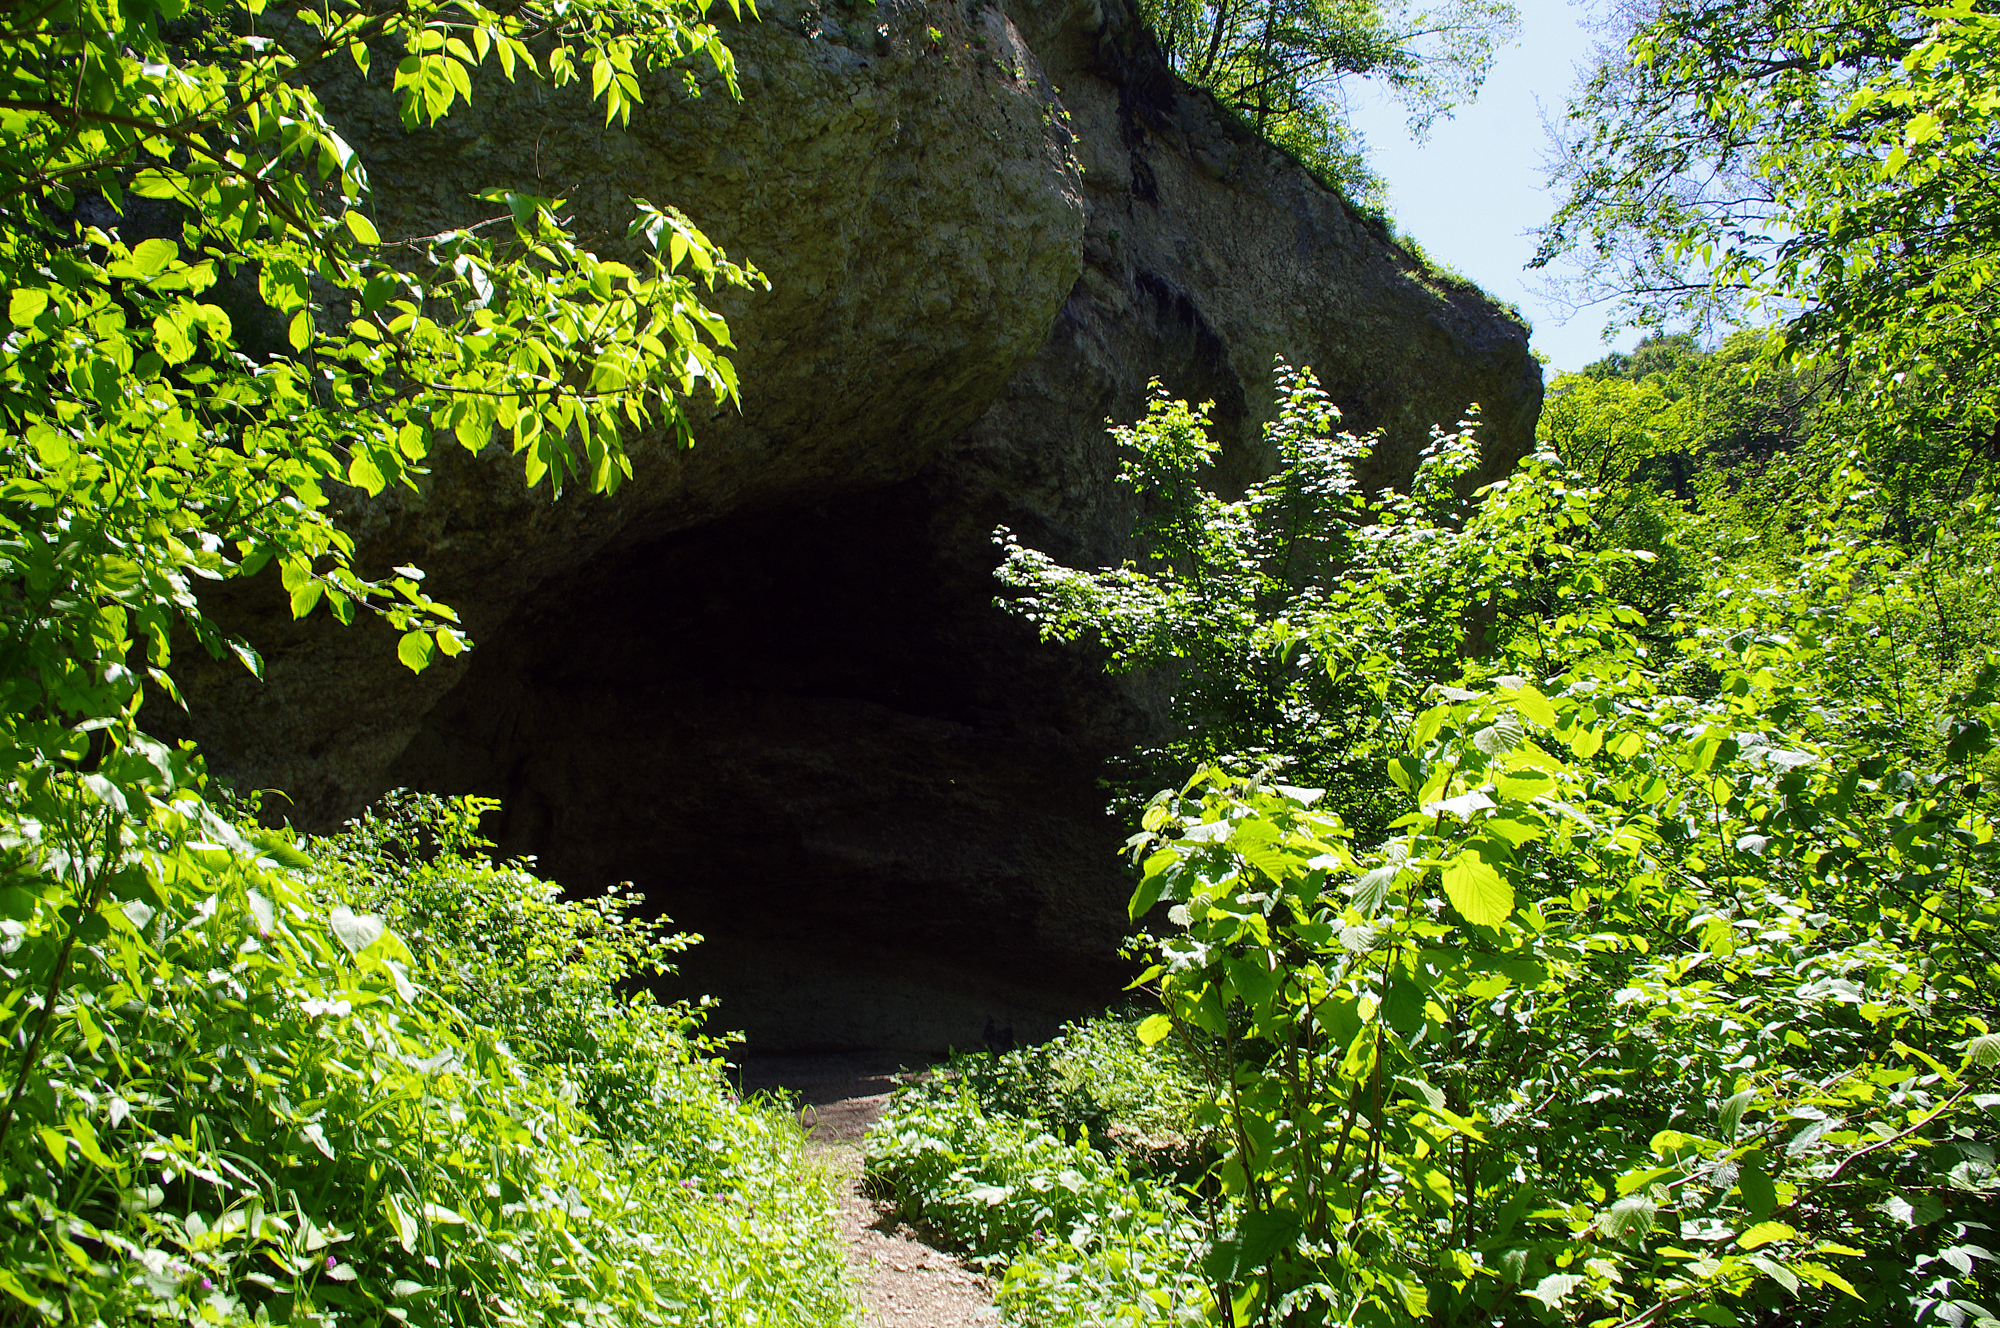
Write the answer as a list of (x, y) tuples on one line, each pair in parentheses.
[(899, 1281)]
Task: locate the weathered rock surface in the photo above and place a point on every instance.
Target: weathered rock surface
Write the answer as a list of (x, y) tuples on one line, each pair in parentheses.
[(766, 682)]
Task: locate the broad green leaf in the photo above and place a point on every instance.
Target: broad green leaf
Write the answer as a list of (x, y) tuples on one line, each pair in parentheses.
[(1534, 707), (1462, 806), (1554, 1289), (25, 304), (1429, 1094), (1764, 1233), (172, 339), (363, 473), (1524, 785), (305, 596), (362, 228), (1154, 1028), (1760, 1195), (1372, 889), (1630, 1219), (150, 257), (1477, 890), (1731, 1114), (1585, 742), (414, 649), (1776, 1271)]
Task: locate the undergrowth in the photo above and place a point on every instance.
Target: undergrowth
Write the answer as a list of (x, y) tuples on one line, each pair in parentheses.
[(376, 1077), (1060, 1167)]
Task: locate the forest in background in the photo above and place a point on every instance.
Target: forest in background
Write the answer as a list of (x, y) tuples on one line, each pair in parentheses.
[(1573, 903)]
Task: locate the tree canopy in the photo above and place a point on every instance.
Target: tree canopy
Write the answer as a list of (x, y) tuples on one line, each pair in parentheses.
[(1281, 63), (157, 156), (1829, 165), (175, 987)]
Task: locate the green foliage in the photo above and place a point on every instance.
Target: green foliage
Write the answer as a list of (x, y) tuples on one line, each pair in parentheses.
[(252, 1102), (549, 974), (1279, 64), (1232, 597), (232, 1092), (147, 446), (985, 1182), (1663, 992), (392, 340), (1645, 1006), (1100, 1079), (1084, 1239), (1826, 163)]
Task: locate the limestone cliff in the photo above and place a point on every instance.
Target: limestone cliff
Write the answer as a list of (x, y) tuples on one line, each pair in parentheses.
[(766, 682)]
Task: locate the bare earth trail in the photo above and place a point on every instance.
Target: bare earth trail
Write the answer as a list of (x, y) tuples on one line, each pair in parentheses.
[(899, 1281)]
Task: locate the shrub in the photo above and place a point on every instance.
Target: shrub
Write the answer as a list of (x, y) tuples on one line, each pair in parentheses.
[(1134, 1102), (249, 1102), (1085, 1235)]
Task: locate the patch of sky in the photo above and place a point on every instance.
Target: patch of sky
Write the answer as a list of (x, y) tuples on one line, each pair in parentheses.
[(1472, 194)]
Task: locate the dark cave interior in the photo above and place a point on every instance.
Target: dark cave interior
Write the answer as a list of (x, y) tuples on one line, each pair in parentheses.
[(808, 735)]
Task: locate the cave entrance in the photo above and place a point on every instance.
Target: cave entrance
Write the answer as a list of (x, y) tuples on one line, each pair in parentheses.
[(807, 735)]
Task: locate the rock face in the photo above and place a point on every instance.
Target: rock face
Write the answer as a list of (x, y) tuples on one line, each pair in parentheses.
[(766, 681)]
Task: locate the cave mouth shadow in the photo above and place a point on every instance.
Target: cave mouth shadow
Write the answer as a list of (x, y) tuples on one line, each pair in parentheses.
[(808, 736)]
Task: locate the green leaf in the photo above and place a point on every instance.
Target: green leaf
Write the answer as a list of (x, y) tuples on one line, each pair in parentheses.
[(1150, 887), (1534, 707), (404, 1222), (305, 597), (415, 649), (300, 332), (150, 257), (1524, 785), (1760, 1196), (25, 305), (1630, 1219), (362, 228), (1154, 1028), (1764, 1233), (1554, 1289), (1731, 1114), (1431, 1095), (1403, 1004), (363, 473), (1477, 891), (1585, 742), (1983, 1051), (1373, 888), (172, 340), (14, 1287)]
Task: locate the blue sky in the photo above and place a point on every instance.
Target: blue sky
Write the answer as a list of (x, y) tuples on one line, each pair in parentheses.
[(1473, 192)]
